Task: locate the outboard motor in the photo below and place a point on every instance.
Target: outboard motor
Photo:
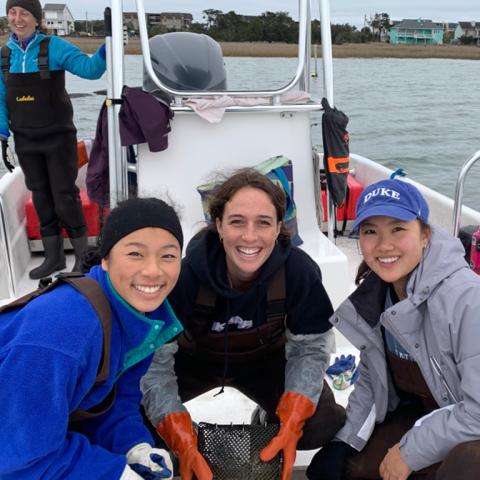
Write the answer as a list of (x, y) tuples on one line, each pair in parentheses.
[(185, 61)]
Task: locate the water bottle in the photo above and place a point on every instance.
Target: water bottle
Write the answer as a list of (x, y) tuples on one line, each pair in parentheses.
[(475, 252)]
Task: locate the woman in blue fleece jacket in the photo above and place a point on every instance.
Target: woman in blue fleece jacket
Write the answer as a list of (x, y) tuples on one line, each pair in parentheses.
[(35, 106), (51, 348)]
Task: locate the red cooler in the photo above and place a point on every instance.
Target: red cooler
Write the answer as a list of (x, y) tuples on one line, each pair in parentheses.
[(90, 210), (355, 191)]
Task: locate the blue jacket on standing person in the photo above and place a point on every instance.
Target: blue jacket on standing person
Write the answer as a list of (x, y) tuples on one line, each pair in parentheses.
[(50, 353), (62, 56), (36, 108)]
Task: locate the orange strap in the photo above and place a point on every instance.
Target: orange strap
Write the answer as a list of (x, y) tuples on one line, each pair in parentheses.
[(334, 167)]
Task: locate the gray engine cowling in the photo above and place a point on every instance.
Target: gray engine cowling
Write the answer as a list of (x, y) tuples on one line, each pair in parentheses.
[(185, 61)]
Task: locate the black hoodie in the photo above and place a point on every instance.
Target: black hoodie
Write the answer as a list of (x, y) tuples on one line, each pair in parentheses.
[(308, 306)]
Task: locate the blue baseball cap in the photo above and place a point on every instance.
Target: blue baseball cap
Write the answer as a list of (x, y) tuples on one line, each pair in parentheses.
[(391, 198)]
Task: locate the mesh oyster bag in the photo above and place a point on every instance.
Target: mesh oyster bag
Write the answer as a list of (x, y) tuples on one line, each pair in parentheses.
[(232, 451)]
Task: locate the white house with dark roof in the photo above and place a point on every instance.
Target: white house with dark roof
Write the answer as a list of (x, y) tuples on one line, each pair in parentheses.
[(58, 19), (468, 29)]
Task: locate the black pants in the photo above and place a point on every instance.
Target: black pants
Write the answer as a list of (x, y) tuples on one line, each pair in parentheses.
[(263, 382), (50, 168), (462, 463)]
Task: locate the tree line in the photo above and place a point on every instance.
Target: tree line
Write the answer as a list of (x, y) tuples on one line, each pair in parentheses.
[(267, 27)]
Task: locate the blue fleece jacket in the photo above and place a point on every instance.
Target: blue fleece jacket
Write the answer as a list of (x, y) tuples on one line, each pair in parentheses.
[(49, 356), (62, 56)]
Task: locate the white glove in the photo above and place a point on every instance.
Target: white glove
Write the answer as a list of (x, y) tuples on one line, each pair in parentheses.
[(141, 454), (129, 474)]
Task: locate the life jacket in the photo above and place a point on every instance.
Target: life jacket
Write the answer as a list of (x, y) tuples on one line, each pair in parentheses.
[(238, 346), (94, 294)]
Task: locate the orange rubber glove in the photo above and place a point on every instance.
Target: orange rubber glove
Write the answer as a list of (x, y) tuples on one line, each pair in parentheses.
[(177, 430), (293, 410)]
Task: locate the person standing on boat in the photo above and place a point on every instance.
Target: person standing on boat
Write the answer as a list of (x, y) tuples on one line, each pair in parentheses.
[(255, 314), (35, 106), (51, 352), (415, 409)]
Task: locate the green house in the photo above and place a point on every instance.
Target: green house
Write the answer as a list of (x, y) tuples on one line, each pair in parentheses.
[(417, 32)]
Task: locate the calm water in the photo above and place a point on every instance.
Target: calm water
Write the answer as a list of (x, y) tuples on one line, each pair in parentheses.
[(422, 115)]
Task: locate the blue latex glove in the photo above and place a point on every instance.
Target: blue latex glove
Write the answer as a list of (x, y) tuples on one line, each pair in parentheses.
[(341, 365), (148, 474), (102, 52)]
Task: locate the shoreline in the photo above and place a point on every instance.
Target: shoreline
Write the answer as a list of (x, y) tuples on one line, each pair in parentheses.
[(348, 50)]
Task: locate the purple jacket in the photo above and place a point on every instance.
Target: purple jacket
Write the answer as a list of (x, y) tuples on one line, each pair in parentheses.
[(143, 118)]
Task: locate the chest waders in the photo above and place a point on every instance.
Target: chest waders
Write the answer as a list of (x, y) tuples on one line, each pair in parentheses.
[(251, 360), (41, 119)]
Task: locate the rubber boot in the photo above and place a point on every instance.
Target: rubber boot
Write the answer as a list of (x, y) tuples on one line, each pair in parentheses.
[(79, 247), (54, 257)]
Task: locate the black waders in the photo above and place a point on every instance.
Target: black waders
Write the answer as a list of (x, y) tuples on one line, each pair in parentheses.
[(41, 119)]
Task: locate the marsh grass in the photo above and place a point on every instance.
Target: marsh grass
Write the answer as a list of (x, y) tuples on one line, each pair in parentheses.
[(353, 50)]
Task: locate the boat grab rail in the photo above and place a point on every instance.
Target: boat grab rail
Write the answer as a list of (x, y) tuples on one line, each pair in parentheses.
[(457, 205), (8, 250), (302, 53)]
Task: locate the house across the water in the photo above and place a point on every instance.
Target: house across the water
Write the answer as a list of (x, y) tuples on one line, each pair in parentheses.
[(417, 31)]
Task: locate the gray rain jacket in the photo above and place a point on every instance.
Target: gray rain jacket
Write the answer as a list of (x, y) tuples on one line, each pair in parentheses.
[(439, 325)]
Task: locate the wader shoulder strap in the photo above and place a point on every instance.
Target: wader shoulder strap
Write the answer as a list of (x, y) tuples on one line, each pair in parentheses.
[(275, 308), (203, 310), (94, 294), (43, 58), (276, 295), (5, 61)]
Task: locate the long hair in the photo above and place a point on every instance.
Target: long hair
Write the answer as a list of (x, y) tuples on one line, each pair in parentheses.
[(247, 177)]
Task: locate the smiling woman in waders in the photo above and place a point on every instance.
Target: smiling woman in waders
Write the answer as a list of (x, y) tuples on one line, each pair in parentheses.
[(35, 106), (255, 314)]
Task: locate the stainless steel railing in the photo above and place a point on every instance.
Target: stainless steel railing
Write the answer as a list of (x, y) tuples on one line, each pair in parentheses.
[(457, 205), (303, 50)]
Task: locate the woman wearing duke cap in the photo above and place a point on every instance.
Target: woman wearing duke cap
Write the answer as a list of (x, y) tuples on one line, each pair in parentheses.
[(415, 409)]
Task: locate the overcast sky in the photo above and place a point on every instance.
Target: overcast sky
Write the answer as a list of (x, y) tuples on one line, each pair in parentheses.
[(342, 11)]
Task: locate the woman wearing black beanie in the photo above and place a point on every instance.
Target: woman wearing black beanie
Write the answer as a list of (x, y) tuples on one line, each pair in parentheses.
[(58, 418), (35, 106)]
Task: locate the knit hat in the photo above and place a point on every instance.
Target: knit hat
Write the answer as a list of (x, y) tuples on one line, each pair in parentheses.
[(391, 198), (33, 6), (135, 214)]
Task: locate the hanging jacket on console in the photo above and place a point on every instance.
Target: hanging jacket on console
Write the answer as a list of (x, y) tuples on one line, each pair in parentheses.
[(143, 118)]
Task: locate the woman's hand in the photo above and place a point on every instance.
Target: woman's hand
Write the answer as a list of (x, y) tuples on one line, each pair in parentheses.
[(393, 466)]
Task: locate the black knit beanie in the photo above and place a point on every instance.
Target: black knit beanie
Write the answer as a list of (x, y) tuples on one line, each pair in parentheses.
[(137, 213), (33, 6)]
